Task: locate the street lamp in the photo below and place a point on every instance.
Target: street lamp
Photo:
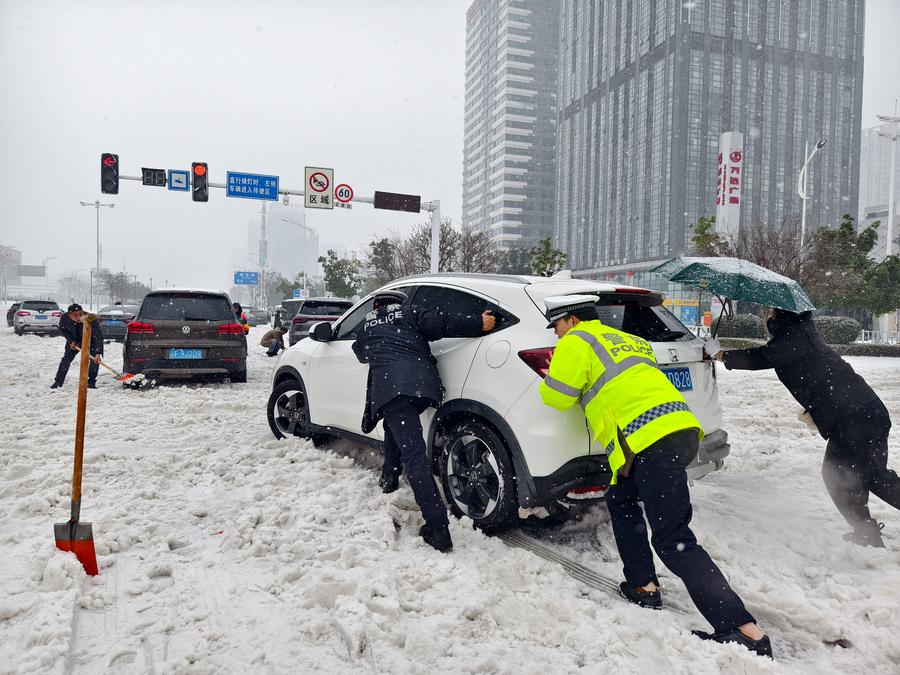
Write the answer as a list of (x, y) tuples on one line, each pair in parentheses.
[(892, 137), (96, 204), (801, 185)]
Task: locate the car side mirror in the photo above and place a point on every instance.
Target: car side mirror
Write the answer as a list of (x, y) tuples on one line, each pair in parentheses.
[(321, 332)]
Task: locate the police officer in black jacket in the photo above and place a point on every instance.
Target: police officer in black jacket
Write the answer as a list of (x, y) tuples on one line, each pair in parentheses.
[(403, 383), (845, 410), (71, 328)]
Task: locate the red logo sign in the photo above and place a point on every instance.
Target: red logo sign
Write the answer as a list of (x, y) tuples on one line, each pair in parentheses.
[(318, 182)]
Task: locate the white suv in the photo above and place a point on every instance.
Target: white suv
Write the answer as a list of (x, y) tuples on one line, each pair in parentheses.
[(37, 316), (494, 446)]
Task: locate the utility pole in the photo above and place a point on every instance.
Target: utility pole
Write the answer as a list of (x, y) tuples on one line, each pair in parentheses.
[(96, 204), (434, 207), (801, 186)]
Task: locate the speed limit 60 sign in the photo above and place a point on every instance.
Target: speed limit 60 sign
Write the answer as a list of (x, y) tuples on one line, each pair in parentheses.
[(343, 194), (318, 191)]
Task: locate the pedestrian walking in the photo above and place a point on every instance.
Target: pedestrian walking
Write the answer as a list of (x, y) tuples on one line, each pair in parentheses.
[(651, 437), (403, 383), (845, 410), (71, 328), (273, 341)]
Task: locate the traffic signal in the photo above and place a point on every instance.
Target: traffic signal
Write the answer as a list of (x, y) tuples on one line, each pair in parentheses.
[(199, 182), (398, 202), (109, 173)]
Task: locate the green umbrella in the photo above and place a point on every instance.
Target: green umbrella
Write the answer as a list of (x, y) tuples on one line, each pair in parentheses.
[(738, 280)]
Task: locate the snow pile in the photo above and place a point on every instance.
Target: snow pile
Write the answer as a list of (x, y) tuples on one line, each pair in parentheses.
[(222, 550)]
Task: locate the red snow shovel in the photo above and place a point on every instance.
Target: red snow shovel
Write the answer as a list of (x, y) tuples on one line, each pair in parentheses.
[(74, 536)]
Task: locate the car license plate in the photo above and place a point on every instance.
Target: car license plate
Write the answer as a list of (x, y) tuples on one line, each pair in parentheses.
[(185, 353), (681, 378), (41, 318), (112, 322)]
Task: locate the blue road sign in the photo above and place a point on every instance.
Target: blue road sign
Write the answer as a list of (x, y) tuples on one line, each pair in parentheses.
[(251, 186), (296, 292), (246, 278), (180, 181)]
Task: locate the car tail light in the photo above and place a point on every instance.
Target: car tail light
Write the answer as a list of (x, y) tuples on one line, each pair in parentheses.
[(23, 313), (298, 319), (140, 327), (638, 291), (230, 329), (56, 314), (231, 360), (537, 359)]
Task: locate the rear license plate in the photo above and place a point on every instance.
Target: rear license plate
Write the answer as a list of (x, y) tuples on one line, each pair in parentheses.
[(112, 322), (41, 318), (681, 378), (185, 353)]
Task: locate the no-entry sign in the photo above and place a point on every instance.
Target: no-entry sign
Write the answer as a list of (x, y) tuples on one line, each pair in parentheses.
[(319, 188)]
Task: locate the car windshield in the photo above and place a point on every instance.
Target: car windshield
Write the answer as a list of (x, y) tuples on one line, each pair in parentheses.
[(653, 323), (119, 309), (40, 305), (314, 308), (186, 307)]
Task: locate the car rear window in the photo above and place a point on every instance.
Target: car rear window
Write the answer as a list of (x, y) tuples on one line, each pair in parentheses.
[(119, 309), (40, 305), (653, 323), (186, 307), (316, 308)]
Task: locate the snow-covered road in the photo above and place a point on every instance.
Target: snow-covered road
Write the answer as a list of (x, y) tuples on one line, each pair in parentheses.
[(222, 550)]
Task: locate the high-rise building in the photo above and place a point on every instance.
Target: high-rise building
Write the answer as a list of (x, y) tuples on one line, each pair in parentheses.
[(875, 184), (647, 87), (509, 170)]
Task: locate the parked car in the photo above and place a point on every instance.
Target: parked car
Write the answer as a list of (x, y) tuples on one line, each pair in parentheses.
[(258, 317), (37, 316), (492, 423), (11, 312), (186, 332), (114, 320), (313, 311)]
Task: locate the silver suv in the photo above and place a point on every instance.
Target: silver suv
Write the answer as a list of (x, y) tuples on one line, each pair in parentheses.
[(37, 316), (494, 446)]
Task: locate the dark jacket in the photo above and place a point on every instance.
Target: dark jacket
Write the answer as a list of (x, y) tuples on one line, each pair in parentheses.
[(394, 341), (72, 332), (821, 381)]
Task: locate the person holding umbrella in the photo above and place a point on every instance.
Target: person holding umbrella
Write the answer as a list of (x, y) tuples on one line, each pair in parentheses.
[(844, 409)]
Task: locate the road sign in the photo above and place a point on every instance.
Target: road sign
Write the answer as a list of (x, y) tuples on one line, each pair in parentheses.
[(246, 278), (296, 293), (393, 201), (319, 188), (343, 193), (304, 293), (31, 270), (154, 177), (180, 181), (251, 186)]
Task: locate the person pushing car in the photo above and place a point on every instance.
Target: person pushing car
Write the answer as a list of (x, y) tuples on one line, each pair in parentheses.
[(403, 382), (651, 436), (844, 409)]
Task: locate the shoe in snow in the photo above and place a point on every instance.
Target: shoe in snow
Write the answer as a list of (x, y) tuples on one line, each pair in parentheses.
[(762, 647), (438, 539), (868, 533), (389, 483), (55, 385), (640, 597), (92, 385)]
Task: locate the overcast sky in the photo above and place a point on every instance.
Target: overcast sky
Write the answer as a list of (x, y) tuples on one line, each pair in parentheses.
[(373, 89)]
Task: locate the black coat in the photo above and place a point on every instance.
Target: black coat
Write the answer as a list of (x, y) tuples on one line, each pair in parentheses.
[(821, 381), (73, 331), (394, 341)]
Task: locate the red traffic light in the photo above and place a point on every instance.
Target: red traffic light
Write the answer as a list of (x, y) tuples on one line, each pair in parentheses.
[(109, 160), (199, 169)]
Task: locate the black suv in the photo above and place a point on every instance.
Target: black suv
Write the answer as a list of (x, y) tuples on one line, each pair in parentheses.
[(313, 311)]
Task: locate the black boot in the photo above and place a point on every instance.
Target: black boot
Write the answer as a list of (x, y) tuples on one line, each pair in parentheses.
[(640, 597), (438, 538), (867, 533), (763, 646), (388, 483), (92, 385)]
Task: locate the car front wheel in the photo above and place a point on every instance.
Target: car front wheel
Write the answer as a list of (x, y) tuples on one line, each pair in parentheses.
[(478, 478)]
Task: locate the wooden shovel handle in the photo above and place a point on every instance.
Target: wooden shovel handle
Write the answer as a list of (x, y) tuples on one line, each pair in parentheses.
[(87, 321)]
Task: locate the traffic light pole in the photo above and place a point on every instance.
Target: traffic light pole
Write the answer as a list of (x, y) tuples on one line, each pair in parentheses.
[(432, 207), (96, 204)]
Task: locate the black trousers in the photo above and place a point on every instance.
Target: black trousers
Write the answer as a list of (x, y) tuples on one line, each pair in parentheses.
[(856, 464), (658, 477), (404, 446), (68, 356)]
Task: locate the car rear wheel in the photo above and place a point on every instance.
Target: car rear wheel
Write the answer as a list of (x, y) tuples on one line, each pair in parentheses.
[(19, 331), (478, 478), (238, 376)]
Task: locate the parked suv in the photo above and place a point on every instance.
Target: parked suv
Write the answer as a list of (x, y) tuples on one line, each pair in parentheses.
[(114, 320), (37, 316), (313, 311), (493, 445), (11, 313), (181, 333)]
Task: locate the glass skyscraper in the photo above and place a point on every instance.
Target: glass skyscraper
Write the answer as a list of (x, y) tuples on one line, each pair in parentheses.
[(509, 169), (646, 87)]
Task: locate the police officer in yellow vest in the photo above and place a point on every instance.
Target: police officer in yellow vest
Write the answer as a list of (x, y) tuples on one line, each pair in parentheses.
[(651, 436)]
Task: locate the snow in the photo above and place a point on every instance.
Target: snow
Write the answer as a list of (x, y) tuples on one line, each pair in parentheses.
[(222, 550)]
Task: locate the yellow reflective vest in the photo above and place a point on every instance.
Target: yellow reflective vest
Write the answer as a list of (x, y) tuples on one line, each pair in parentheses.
[(614, 376)]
